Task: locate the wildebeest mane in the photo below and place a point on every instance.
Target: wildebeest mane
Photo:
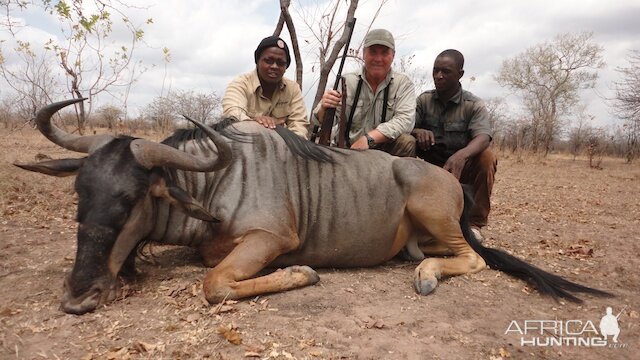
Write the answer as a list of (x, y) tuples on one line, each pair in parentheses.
[(303, 147), (300, 147)]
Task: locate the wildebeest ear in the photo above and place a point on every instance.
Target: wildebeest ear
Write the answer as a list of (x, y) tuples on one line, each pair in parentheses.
[(180, 198), (60, 167)]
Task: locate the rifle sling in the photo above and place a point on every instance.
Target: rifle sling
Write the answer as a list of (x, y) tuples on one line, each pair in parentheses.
[(353, 109)]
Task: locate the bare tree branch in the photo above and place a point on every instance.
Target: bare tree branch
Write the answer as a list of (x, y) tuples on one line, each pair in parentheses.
[(285, 17), (548, 77)]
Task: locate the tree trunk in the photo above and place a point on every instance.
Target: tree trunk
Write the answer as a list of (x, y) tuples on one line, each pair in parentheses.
[(325, 68)]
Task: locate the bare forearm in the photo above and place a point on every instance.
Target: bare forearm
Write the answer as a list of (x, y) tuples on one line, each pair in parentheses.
[(477, 145)]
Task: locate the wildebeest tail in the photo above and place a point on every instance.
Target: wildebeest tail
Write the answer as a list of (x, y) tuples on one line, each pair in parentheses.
[(545, 282)]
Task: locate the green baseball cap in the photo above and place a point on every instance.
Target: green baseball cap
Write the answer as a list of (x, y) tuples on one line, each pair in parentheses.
[(380, 37)]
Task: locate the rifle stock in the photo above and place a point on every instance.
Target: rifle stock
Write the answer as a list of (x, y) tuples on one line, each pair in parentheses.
[(327, 125), (330, 114)]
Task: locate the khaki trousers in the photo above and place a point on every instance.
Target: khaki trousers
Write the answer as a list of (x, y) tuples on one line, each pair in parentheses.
[(403, 146)]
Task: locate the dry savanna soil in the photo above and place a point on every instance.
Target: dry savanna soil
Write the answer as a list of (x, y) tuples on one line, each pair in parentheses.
[(556, 212)]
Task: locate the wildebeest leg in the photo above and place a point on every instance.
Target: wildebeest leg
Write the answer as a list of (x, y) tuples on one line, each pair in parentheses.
[(442, 222), (128, 270), (231, 279), (435, 248), (464, 259)]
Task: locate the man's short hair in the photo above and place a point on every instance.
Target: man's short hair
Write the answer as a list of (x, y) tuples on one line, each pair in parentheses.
[(455, 55)]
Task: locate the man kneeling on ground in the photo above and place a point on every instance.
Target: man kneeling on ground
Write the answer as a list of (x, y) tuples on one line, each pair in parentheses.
[(452, 130)]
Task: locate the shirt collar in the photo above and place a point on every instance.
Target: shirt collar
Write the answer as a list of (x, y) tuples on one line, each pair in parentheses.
[(254, 81), (456, 98)]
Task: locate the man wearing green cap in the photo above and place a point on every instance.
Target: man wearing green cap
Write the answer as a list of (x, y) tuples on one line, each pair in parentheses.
[(264, 94), (380, 104)]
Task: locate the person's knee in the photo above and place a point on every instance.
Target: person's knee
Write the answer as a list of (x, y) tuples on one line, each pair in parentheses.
[(487, 161), (404, 145)]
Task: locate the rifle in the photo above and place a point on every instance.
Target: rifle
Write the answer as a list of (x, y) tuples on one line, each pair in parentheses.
[(343, 134), (329, 114)]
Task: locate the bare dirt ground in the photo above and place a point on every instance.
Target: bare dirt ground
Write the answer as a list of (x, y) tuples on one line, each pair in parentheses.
[(555, 212)]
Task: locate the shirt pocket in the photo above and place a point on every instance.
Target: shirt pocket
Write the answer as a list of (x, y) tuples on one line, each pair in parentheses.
[(430, 123), (457, 134), (357, 113), (281, 110), (391, 109), (456, 126)]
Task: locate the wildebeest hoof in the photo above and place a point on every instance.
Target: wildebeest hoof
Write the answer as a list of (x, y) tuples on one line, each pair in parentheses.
[(308, 272), (425, 286)]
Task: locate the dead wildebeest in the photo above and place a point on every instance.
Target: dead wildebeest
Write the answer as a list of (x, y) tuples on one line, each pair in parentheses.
[(249, 198)]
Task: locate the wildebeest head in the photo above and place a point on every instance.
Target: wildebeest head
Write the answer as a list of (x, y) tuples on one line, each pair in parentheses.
[(116, 184)]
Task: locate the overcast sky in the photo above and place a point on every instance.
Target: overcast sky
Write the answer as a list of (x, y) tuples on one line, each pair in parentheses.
[(213, 41)]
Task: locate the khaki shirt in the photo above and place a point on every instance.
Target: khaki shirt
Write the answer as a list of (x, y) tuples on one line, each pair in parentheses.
[(455, 123), (243, 100), (401, 106)]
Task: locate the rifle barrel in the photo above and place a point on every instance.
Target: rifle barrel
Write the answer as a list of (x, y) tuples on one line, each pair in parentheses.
[(330, 114)]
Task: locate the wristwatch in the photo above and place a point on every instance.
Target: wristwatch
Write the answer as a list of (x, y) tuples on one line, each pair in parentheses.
[(371, 142)]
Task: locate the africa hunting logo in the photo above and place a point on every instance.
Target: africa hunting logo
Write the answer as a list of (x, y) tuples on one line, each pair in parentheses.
[(570, 332)]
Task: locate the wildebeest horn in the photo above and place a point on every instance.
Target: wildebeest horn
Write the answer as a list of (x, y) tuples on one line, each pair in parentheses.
[(150, 154), (83, 144)]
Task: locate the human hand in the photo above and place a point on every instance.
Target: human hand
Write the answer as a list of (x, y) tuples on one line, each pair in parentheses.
[(424, 138), (268, 121), (330, 99), (361, 143), (455, 164)]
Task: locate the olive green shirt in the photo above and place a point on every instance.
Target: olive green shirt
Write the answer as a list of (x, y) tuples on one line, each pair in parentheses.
[(243, 100), (367, 116), (455, 123)]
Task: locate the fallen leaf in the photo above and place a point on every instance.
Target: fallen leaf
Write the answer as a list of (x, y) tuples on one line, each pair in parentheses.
[(143, 347), (193, 317), (579, 250), (176, 290), (221, 309), (378, 324), (254, 349), (6, 312), (230, 333), (119, 354)]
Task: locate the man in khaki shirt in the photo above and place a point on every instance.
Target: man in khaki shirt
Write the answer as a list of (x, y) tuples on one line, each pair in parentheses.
[(380, 102), (264, 95)]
